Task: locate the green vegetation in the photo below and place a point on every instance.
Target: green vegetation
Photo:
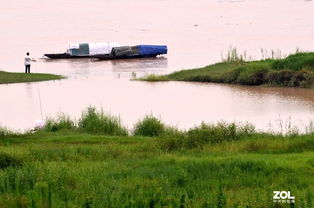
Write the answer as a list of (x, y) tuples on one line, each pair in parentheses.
[(7, 160), (149, 126), (91, 121), (10, 77), (70, 164), (296, 70)]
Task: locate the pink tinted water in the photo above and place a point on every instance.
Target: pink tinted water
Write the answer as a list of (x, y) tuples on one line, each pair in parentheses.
[(196, 32)]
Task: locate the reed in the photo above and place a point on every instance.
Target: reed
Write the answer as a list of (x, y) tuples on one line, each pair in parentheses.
[(233, 56), (93, 121), (62, 122)]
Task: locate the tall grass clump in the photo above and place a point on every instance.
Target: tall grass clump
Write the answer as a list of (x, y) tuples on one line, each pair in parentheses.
[(7, 160), (62, 122), (149, 126), (171, 139), (4, 132), (274, 54), (233, 56), (217, 133), (204, 134), (93, 121)]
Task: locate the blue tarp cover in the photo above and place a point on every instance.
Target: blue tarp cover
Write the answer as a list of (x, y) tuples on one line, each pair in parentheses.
[(152, 50)]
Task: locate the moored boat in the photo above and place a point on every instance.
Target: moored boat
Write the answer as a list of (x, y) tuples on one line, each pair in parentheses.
[(107, 51)]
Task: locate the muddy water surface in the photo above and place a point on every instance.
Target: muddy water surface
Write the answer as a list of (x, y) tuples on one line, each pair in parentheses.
[(197, 33)]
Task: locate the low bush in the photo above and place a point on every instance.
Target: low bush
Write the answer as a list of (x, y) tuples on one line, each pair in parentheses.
[(62, 122), (93, 121), (150, 126)]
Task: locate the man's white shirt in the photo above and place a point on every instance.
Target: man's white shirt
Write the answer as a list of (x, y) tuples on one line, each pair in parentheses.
[(27, 60)]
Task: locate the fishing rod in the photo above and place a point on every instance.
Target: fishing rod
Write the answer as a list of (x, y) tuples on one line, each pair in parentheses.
[(41, 109)]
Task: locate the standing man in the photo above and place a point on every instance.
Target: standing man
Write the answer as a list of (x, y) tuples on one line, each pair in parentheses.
[(27, 63)]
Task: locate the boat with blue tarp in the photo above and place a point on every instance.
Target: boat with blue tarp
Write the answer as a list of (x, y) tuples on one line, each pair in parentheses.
[(107, 51)]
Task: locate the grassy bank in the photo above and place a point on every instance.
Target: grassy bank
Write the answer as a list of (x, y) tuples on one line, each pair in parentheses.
[(96, 162), (296, 70), (11, 77)]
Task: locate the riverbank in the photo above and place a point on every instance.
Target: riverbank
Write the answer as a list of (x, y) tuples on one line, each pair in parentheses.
[(12, 77), (296, 70), (96, 162)]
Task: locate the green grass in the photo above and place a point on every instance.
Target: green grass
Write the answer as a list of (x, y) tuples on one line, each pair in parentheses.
[(220, 165), (11, 77), (296, 70), (69, 169)]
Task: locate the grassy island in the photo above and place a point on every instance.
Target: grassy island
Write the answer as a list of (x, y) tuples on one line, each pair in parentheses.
[(12, 77), (296, 70), (96, 162)]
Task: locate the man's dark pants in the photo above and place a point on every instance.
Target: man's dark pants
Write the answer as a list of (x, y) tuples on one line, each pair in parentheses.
[(27, 68)]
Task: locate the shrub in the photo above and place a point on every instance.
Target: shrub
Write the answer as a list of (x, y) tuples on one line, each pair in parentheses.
[(62, 122), (198, 136), (92, 121), (7, 160), (149, 126)]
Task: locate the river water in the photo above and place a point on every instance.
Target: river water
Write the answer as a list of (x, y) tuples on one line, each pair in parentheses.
[(197, 33)]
